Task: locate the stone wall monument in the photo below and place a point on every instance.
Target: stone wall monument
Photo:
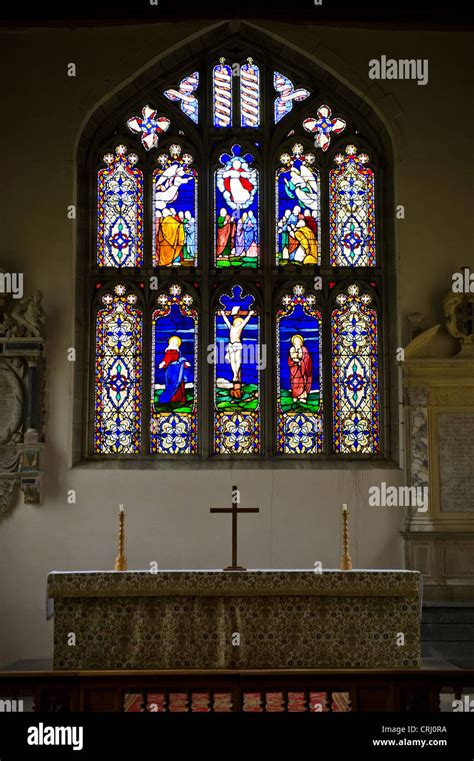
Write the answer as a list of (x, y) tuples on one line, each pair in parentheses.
[(439, 404), (21, 397)]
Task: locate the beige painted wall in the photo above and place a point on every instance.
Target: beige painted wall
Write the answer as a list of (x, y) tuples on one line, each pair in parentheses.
[(168, 520)]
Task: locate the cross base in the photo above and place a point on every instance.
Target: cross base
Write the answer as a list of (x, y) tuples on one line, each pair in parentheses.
[(236, 390), (235, 568)]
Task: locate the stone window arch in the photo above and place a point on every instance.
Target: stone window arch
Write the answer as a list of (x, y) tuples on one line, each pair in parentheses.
[(336, 274)]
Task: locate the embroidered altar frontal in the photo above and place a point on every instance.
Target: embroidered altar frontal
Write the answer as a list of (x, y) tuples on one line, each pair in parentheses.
[(242, 620)]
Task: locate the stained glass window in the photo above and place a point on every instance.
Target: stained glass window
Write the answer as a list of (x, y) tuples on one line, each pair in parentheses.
[(352, 211), (222, 242), (185, 96), (237, 210), (149, 126), (249, 94), (298, 206), (222, 94), (237, 359), (324, 126), (118, 373), (356, 409), (299, 374), (175, 206), (120, 211), (287, 95), (174, 374)]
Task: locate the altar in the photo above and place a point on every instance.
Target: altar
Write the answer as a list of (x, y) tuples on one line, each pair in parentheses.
[(256, 619)]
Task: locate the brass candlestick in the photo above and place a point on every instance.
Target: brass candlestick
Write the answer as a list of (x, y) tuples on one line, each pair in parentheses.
[(121, 560), (346, 560)]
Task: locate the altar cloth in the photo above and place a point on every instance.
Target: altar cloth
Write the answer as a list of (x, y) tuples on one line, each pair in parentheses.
[(256, 619)]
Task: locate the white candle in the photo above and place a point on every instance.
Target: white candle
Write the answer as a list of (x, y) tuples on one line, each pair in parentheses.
[(344, 508), (121, 509)]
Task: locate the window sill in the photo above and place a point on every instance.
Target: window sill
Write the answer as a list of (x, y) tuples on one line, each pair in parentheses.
[(222, 463)]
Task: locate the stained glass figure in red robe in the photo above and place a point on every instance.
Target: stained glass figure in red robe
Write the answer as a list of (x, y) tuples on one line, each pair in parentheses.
[(301, 369)]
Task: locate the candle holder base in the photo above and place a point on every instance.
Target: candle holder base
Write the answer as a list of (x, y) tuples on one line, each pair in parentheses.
[(345, 563), (121, 563)]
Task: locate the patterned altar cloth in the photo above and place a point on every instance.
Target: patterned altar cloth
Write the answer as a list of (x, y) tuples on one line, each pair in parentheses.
[(261, 619)]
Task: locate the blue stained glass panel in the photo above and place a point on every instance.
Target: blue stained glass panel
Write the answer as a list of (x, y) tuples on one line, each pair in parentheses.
[(222, 94), (249, 94), (175, 198), (356, 407), (174, 375), (236, 203), (237, 363), (298, 227), (184, 95)]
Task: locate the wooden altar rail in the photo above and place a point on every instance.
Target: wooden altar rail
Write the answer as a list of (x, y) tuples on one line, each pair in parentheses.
[(410, 690)]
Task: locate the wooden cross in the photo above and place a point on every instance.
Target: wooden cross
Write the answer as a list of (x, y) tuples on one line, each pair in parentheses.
[(236, 311), (233, 511)]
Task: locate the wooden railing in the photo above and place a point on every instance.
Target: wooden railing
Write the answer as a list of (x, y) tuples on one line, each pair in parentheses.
[(215, 691)]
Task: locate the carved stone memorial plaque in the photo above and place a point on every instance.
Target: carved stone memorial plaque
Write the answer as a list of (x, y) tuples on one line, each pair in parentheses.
[(11, 403), (456, 461)]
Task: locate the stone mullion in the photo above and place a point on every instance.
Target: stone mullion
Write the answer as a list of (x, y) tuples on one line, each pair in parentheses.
[(148, 229), (206, 218), (268, 266)]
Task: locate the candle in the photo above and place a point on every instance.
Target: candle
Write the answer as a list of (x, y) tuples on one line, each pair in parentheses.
[(344, 508), (121, 508)]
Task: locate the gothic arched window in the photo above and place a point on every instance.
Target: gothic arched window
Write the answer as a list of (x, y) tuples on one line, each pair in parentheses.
[(236, 272)]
